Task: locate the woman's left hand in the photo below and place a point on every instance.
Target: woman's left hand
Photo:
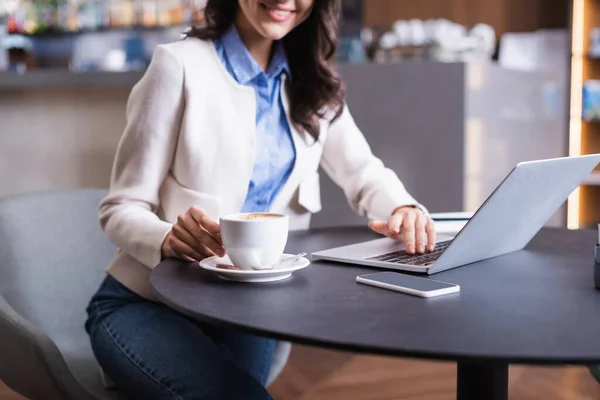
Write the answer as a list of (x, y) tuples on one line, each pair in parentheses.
[(410, 225)]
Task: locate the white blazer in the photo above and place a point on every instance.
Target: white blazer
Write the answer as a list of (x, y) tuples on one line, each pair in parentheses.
[(190, 140)]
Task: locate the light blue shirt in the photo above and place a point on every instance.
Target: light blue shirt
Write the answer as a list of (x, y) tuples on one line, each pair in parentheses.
[(275, 151)]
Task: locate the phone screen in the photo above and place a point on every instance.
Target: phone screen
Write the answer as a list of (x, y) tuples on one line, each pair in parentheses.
[(407, 281)]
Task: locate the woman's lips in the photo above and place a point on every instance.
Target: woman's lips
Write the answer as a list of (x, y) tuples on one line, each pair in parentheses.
[(278, 14)]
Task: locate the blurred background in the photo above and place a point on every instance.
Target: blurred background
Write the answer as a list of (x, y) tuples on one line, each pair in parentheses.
[(450, 93), (84, 35)]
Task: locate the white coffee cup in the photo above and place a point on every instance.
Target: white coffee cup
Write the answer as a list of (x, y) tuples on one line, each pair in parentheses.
[(254, 240)]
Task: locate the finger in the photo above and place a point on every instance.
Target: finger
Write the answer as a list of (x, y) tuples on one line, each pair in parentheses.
[(194, 234), (381, 227), (431, 234), (212, 244), (395, 223), (420, 233), (408, 229), (204, 220), (202, 242), (184, 251)]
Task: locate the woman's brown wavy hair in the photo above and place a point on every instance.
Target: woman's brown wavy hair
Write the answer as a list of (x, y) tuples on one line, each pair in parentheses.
[(315, 90)]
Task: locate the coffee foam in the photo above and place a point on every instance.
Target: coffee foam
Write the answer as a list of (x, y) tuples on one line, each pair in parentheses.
[(255, 216)]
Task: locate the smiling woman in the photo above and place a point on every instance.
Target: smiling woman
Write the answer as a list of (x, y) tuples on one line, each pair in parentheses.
[(237, 117)]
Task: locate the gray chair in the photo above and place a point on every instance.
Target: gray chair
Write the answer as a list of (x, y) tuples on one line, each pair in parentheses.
[(52, 259)]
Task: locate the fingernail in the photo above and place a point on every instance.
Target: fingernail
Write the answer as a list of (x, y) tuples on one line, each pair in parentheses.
[(421, 249)]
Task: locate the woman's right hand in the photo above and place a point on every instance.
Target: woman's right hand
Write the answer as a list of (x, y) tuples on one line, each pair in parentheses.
[(194, 237)]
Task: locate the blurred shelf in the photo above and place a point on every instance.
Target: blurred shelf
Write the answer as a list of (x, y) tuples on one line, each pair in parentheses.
[(59, 33), (57, 78), (65, 78), (585, 15)]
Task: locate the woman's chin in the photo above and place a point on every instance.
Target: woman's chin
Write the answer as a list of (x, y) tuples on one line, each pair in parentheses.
[(274, 31)]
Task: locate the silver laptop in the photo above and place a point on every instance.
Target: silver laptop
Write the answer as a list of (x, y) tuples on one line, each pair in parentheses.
[(506, 222)]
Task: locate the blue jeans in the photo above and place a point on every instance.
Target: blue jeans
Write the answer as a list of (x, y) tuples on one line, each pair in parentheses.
[(151, 351)]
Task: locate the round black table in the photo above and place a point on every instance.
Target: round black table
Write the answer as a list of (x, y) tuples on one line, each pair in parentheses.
[(536, 306)]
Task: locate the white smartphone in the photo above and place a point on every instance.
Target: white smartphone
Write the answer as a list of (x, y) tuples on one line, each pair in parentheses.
[(408, 284)]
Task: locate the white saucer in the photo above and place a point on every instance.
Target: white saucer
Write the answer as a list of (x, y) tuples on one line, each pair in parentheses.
[(263, 275)]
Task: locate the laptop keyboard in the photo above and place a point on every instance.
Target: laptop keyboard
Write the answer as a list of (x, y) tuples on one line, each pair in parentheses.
[(420, 260)]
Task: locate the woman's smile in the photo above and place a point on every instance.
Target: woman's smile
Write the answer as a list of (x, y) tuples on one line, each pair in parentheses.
[(278, 13)]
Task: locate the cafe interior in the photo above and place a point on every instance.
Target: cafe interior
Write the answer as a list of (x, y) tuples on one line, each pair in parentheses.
[(449, 94)]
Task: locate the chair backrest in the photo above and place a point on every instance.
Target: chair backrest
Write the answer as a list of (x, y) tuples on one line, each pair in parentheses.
[(53, 256)]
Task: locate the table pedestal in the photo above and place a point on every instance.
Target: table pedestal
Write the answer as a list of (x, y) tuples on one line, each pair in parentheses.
[(482, 381)]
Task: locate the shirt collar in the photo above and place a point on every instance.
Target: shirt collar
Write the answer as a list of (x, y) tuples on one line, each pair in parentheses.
[(243, 64), (279, 62)]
